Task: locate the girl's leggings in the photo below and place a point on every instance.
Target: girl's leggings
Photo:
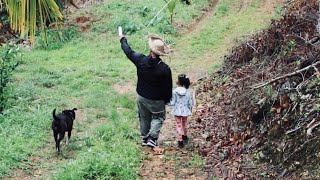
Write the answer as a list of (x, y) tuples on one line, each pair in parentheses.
[(181, 126)]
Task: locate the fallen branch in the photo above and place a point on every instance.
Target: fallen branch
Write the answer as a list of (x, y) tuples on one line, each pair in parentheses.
[(201, 78), (317, 71), (252, 47), (298, 149), (293, 130), (284, 76), (310, 129), (311, 123)]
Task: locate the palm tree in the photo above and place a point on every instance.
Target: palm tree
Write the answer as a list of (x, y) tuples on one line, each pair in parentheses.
[(27, 15)]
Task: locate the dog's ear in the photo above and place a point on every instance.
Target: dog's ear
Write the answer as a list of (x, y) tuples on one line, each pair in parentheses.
[(70, 113), (73, 113)]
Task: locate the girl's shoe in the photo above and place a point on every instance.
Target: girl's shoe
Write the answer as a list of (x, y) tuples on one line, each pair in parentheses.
[(180, 144), (185, 139)]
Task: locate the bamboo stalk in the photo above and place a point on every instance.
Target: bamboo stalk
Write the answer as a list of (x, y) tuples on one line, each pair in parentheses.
[(23, 14)]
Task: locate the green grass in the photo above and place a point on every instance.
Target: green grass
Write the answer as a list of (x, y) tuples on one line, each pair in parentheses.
[(205, 47), (196, 161), (80, 73)]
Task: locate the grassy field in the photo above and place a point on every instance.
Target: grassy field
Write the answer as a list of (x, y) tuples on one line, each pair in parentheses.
[(82, 73)]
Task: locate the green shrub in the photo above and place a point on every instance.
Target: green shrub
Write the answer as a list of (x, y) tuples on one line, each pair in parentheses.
[(144, 12), (128, 26), (56, 38), (165, 27), (10, 59)]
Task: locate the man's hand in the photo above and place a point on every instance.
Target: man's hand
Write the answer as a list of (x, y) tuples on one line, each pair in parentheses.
[(120, 32)]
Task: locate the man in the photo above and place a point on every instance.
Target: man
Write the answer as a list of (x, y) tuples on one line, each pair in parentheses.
[(154, 87)]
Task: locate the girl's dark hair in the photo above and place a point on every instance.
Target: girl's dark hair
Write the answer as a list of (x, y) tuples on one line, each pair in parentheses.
[(184, 80)]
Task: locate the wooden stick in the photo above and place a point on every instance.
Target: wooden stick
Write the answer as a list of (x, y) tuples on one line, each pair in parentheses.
[(252, 47), (310, 129), (315, 68), (200, 79), (284, 76), (311, 123)]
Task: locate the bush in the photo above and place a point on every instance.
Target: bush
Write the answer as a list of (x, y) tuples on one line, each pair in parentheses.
[(144, 12), (57, 37), (10, 59), (128, 26), (165, 27)]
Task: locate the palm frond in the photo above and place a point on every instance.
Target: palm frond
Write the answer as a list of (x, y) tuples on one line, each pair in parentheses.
[(27, 15)]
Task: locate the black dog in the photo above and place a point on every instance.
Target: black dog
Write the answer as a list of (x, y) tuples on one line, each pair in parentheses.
[(61, 123), (188, 2)]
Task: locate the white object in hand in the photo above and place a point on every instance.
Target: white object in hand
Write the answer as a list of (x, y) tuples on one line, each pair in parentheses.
[(120, 31)]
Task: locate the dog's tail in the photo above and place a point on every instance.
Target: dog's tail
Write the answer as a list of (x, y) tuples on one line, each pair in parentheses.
[(74, 109), (54, 115)]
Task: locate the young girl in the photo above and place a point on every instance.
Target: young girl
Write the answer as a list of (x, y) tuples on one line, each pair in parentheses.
[(182, 108)]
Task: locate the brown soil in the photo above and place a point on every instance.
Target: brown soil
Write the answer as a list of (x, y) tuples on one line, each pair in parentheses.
[(174, 163), (123, 89), (6, 33), (200, 20)]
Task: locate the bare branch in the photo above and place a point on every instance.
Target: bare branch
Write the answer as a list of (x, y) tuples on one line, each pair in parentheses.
[(252, 48), (310, 129), (284, 76)]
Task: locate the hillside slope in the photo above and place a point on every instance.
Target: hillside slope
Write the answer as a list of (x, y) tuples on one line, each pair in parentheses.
[(260, 112)]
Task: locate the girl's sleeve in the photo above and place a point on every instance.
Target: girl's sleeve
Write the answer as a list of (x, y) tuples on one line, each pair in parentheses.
[(173, 99)]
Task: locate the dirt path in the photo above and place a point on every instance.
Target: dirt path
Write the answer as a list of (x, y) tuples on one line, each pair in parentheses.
[(200, 21), (175, 163)]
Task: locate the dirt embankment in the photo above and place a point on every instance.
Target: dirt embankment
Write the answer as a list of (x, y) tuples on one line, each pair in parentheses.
[(259, 114), (6, 33)]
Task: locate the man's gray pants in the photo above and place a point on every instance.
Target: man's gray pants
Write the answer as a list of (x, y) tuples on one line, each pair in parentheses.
[(151, 116)]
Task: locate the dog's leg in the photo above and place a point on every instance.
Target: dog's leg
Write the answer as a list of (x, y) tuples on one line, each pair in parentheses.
[(61, 136), (69, 136), (55, 135), (67, 140)]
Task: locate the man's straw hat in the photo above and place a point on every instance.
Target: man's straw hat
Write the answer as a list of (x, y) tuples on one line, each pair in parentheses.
[(158, 46)]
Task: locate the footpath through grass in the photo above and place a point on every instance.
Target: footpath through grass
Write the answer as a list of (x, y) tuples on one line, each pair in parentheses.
[(81, 73)]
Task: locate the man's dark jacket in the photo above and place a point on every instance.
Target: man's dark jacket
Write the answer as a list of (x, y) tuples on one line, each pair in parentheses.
[(154, 76)]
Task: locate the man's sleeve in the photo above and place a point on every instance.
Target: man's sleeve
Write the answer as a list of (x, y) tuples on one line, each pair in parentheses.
[(168, 86), (133, 56)]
